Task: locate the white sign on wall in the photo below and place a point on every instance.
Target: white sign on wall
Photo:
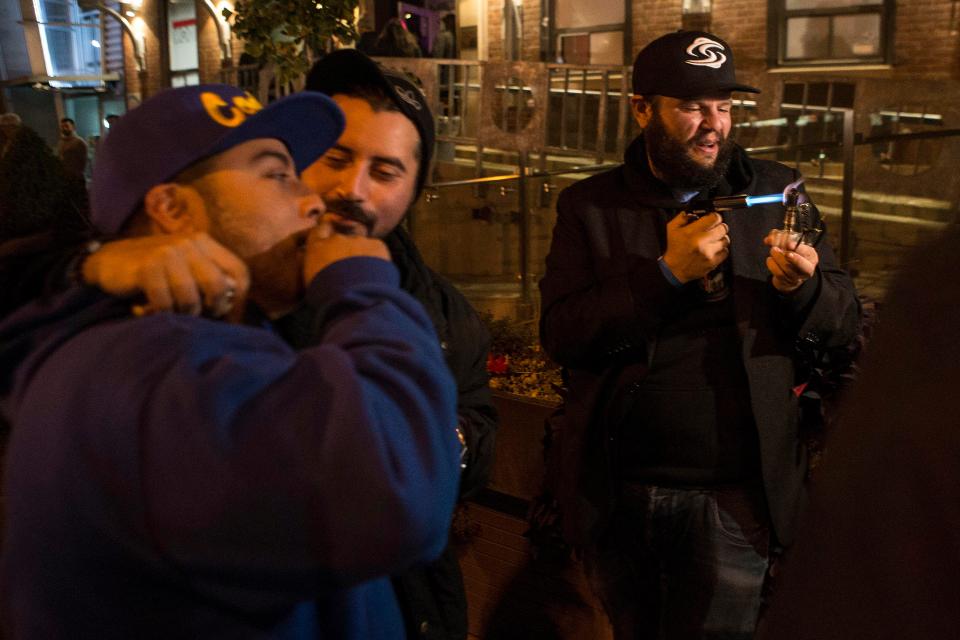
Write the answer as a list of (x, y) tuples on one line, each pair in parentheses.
[(182, 27)]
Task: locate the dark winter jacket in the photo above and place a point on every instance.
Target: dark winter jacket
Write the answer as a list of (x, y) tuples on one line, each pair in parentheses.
[(604, 299), (432, 596), (176, 477)]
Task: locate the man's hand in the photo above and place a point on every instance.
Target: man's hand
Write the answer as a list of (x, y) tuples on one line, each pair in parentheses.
[(790, 268), (695, 247), (326, 245), (188, 273)]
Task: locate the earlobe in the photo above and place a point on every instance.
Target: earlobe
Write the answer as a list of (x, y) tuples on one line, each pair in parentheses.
[(641, 109), (167, 206)]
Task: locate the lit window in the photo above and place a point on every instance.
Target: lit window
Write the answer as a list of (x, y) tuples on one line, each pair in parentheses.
[(68, 35), (589, 33), (817, 32)]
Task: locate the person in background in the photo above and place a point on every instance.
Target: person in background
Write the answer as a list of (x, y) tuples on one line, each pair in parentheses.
[(111, 120), (396, 42), (681, 464), (367, 42), (445, 46), (180, 476), (9, 124), (72, 150)]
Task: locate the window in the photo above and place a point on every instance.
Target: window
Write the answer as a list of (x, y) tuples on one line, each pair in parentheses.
[(71, 42), (695, 15), (822, 32), (810, 116), (906, 157), (589, 33)]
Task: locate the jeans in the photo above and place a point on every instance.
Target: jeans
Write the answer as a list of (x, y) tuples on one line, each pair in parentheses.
[(678, 564)]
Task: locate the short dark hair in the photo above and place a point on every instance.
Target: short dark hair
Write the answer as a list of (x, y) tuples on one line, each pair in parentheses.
[(378, 99), (70, 120)]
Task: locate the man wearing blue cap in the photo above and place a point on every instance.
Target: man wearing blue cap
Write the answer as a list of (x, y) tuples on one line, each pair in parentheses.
[(680, 460), (370, 178), (174, 476)]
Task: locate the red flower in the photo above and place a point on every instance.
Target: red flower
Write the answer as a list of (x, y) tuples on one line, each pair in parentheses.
[(497, 364)]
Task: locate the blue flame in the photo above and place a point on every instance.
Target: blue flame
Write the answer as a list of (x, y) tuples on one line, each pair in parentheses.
[(767, 199)]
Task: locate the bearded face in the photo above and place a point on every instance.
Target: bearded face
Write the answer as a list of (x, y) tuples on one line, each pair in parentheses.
[(687, 149)]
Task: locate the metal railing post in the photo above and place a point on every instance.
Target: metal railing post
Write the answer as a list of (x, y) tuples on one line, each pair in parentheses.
[(846, 215), (602, 118), (524, 224)]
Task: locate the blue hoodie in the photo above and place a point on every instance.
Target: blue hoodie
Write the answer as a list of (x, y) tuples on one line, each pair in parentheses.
[(177, 477)]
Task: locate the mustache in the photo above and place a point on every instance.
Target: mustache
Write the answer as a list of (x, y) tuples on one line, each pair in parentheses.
[(702, 137), (351, 210)]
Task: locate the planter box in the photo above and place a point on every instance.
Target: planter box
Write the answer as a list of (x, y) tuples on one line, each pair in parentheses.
[(518, 461), (510, 593)]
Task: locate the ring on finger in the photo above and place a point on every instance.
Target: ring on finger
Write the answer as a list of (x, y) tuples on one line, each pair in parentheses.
[(224, 303)]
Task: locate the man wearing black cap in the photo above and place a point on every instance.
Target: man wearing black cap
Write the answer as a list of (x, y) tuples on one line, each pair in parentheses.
[(370, 178), (681, 461), (172, 476)]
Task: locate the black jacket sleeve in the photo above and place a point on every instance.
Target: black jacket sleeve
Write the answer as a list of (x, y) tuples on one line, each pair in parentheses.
[(466, 347), (37, 266), (465, 342), (597, 301)]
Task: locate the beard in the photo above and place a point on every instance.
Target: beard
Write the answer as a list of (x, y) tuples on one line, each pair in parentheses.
[(673, 161), (276, 275), (276, 272)]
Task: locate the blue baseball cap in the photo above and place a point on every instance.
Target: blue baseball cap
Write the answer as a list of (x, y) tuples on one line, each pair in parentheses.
[(177, 128)]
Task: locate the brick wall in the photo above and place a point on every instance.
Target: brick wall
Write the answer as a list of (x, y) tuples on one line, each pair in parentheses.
[(530, 28), (924, 45), (743, 23), (653, 18), (495, 29), (208, 44), (530, 48), (156, 76), (236, 48)]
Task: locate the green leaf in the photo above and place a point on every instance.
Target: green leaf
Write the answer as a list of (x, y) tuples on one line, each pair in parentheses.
[(258, 23)]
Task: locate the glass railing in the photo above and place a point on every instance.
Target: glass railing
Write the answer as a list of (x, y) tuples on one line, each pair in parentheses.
[(510, 136), (490, 233)]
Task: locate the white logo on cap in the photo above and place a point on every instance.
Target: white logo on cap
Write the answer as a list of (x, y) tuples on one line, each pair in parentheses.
[(703, 51), (408, 96)]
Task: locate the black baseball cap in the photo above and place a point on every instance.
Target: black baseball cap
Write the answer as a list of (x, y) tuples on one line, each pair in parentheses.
[(686, 64), (346, 69)]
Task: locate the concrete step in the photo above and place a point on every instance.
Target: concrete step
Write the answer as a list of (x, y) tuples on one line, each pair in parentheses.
[(904, 207)]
